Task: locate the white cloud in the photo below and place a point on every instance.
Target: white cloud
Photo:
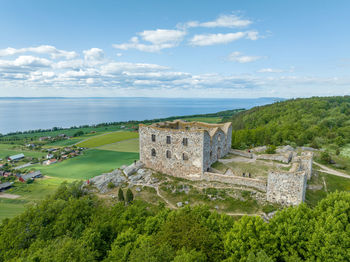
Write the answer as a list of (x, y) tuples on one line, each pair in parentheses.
[(162, 36), (159, 39), (25, 62), (94, 54), (229, 21), (238, 57), (214, 39), (270, 70), (43, 49)]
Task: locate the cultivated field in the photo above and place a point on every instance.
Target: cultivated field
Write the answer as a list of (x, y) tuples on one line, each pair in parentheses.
[(8, 150), (108, 138), (92, 163), (130, 145)]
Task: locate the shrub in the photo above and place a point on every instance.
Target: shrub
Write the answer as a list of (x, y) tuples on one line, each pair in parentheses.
[(129, 196), (121, 195), (110, 185), (271, 149)]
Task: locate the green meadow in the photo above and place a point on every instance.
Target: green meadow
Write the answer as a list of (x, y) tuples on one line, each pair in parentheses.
[(28, 194), (108, 138), (9, 150), (130, 145), (92, 163)]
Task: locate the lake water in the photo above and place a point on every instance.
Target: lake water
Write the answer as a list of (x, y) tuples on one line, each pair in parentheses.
[(19, 114)]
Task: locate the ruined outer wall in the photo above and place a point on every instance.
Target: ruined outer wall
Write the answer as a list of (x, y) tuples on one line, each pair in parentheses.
[(236, 180), (306, 159), (175, 166), (286, 188), (284, 158)]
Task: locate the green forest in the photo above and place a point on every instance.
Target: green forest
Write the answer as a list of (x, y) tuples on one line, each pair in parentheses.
[(315, 122), (75, 226)]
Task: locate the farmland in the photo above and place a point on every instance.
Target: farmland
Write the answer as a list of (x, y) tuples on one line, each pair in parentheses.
[(8, 150), (130, 145), (28, 194), (92, 163), (107, 138)]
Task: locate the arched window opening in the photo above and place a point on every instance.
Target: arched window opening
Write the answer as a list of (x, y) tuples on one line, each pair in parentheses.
[(153, 138)]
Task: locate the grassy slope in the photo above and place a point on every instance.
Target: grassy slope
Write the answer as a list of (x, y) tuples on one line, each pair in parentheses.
[(29, 194), (92, 163), (8, 150), (105, 139)]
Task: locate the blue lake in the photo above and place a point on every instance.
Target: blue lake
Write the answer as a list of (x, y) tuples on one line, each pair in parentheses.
[(19, 114)]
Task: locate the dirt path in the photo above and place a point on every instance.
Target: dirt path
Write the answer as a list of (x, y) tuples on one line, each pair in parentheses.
[(9, 196), (331, 171), (156, 187)]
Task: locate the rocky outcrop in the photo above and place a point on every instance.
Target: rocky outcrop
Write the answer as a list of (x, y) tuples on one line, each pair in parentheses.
[(133, 168), (101, 182)]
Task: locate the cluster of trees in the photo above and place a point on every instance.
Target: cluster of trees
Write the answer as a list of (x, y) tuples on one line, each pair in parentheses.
[(315, 121), (74, 226)]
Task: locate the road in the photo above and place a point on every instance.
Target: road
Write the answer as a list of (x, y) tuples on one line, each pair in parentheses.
[(331, 171)]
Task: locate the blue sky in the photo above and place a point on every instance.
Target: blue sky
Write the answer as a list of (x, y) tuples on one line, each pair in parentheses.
[(174, 48)]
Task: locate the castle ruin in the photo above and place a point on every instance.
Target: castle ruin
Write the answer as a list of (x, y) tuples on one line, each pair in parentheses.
[(183, 149)]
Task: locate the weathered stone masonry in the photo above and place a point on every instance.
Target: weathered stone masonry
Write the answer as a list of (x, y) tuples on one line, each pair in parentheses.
[(183, 149)]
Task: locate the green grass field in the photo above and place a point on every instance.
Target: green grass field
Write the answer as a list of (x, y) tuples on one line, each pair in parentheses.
[(204, 119), (9, 150), (92, 163), (29, 194), (110, 138), (131, 145), (63, 143)]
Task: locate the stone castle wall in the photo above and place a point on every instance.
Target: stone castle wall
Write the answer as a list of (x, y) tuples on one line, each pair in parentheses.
[(175, 165), (306, 159), (284, 158), (236, 180), (206, 144), (286, 188)]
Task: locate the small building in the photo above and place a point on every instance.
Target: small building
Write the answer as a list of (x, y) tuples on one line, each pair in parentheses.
[(50, 161), (5, 185), (49, 156), (32, 175), (16, 157)]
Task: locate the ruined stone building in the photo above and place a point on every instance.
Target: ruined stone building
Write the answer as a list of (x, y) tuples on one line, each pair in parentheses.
[(183, 149)]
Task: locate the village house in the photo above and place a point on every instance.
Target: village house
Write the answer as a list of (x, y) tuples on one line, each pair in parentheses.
[(183, 149), (16, 157), (32, 175), (5, 185)]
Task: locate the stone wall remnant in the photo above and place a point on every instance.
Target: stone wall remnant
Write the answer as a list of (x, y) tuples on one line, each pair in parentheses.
[(183, 149), (286, 188)]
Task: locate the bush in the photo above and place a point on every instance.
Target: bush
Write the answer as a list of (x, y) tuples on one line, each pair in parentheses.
[(326, 158), (271, 149), (129, 196), (121, 195), (110, 185)]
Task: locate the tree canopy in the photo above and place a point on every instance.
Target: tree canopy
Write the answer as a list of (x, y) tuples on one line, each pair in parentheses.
[(75, 226), (312, 121)]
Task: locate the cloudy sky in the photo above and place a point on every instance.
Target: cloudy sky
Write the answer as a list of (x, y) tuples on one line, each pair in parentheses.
[(270, 48)]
